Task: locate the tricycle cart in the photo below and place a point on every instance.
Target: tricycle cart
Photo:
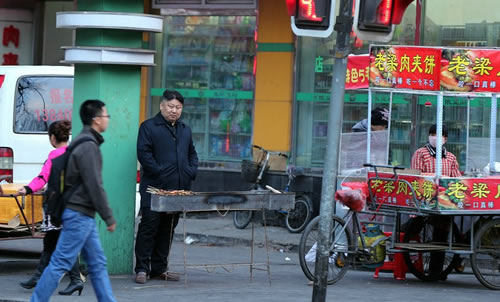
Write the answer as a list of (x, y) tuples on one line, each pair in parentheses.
[(433, 221), (431, 234)]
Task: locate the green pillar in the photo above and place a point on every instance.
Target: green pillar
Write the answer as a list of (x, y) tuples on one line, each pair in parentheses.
[(119, 87)]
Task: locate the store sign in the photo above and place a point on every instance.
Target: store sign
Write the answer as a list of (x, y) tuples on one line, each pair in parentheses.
[(405, 67), (15, 46), (357, 72), (398, 193), (469, 194)]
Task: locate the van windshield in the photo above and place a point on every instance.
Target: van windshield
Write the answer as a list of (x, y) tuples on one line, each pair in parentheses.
[(40, 101)]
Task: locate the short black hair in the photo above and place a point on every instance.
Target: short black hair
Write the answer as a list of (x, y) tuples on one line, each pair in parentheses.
[(169, 95), (380, 117), (89, 110), (433, 130)]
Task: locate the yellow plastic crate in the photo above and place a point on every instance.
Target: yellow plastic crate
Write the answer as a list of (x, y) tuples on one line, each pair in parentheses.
[(9, 208)]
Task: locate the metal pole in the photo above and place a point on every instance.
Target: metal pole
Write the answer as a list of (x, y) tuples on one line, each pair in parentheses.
[(493, 133), (343, 27), (467, 159), (369, 129), (439, 133), (389, 130)]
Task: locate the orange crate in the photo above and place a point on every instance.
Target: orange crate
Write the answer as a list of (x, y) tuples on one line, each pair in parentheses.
[(9, 208)]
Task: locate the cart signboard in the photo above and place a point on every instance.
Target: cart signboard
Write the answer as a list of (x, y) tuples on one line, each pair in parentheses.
[(402, 67), (467, 70), (435, 68), (478, 194), (398, 193)]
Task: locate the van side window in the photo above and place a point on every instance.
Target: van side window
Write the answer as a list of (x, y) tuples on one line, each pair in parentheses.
[(40, 101)]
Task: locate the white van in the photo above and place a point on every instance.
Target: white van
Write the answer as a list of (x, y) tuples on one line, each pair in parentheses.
[(31, 98)]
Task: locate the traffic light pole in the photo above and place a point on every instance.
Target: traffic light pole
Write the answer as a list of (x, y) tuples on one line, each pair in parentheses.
[(343, 27)]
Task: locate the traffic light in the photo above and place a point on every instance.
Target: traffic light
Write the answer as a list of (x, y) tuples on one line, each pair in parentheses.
[(313, 18), (375, 20)]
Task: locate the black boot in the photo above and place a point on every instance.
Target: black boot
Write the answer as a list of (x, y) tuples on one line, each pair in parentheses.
[(76, 283), (29, 284), (44, 261)]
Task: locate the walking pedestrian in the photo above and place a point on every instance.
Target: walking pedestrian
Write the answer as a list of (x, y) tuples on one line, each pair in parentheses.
[(59, 132), (79, 232), (169, 161)]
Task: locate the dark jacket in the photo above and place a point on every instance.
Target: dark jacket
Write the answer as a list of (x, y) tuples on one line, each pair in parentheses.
[(167, 156), (85, 171)]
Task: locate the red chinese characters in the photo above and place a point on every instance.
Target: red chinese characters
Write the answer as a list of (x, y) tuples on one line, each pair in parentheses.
[(10, 59), (405, 67), (10, 35)]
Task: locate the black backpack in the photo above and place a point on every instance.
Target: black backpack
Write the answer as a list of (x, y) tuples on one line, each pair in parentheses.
[(57, 193)]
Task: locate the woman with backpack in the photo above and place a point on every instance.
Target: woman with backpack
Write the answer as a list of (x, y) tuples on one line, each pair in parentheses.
[(59, 133)]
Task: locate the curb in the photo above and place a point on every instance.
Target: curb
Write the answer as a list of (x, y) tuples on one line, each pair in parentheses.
[(231, 241)]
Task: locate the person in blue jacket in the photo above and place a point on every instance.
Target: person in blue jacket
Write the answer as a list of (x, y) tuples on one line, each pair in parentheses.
[(168, 161)]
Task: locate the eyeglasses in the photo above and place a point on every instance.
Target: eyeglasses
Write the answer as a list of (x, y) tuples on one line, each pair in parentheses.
[(108, 116)]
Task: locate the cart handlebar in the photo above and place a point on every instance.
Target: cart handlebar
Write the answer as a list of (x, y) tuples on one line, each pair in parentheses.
[(383, 166)]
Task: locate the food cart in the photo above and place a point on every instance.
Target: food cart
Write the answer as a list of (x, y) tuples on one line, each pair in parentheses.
[(451, 218), (434, 222)]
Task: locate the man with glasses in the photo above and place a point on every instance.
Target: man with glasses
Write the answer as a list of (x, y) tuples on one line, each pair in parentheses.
[(83, 178), (168, 161)]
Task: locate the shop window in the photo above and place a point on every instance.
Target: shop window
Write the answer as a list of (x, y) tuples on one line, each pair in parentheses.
[(211, 61)]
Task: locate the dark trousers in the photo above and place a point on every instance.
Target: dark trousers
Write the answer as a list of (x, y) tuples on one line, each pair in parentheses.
[(49, 245), (154, 238)]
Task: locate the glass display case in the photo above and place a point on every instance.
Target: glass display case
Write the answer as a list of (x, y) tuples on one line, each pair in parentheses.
[(211, 61)]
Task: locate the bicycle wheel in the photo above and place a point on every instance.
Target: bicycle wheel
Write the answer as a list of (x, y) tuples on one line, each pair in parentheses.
[(242, 218), (339, 260), (297, 218), (427, 265), (485, 260)]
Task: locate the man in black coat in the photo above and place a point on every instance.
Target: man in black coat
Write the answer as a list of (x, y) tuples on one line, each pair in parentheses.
[(169, 161)]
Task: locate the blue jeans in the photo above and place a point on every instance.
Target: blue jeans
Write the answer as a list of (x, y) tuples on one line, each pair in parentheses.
[(79, 233)]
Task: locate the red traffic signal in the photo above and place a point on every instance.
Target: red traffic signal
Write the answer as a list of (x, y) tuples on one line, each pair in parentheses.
[(380, 15), (307, 11), (311, 17), (375, 19)]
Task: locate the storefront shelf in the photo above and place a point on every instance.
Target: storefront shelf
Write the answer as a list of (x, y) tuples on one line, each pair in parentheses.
[(189, 64), (234, 53), (188, 49), (204, 81), (231, 134)]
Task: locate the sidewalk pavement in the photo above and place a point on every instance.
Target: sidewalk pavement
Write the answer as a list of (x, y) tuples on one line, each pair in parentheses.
[(226, 245), (19, 258), (221, 231)]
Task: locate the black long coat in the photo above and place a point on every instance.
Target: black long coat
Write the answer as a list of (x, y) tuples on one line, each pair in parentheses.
[(169, 161)]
